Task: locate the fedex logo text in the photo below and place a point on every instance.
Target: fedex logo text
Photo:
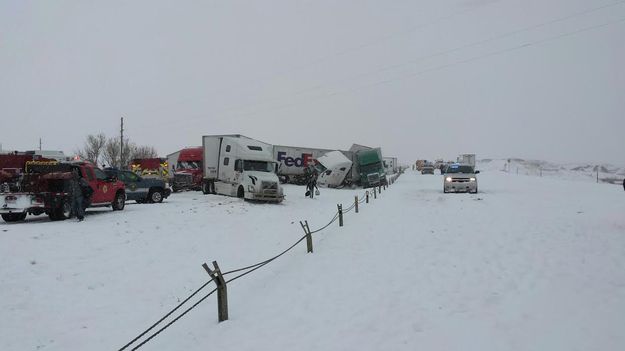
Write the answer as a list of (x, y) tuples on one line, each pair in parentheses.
[(289, 161)]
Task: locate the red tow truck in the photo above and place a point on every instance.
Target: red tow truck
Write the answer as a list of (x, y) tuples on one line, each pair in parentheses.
[(44, 187)]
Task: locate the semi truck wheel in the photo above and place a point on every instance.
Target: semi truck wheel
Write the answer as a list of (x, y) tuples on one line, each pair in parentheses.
[(119, 202), (13, 217), (155, 196), (205, 188), (240, 192)]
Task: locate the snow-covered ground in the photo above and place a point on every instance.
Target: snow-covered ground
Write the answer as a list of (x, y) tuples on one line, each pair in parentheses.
[(607, 173), (529, 263)]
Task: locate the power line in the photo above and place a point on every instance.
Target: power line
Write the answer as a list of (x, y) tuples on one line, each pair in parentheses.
[(421, 58), (437, 68)]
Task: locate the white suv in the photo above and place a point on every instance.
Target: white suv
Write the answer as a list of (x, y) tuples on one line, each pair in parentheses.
[(460, 178)]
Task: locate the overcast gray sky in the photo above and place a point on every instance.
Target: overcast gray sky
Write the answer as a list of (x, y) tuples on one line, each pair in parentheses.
[(539, 79)]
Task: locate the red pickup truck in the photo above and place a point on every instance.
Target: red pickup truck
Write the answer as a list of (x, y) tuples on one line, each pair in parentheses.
[(44, 188)]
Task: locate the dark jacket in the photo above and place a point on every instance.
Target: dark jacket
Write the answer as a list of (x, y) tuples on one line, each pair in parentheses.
[(80, 188)]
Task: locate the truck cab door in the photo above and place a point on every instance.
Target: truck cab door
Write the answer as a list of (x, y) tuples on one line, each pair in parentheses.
[(238, 172), (89, 175), (226, 169), (134, 186), (103, 191)]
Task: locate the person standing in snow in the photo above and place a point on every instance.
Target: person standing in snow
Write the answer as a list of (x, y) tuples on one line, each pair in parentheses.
[(79, 189), (312, 184)]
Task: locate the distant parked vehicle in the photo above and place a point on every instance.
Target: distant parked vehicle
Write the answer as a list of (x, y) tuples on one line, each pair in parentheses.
[(467, 159), (429, 169), (141, 189), (460, 179)]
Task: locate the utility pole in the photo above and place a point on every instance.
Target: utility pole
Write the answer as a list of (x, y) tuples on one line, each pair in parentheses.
[(39, 144), (121, 145)]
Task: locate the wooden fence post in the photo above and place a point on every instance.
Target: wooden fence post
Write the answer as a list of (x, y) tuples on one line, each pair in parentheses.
[(340, 207), (367, 196), (309, 244), (222, 291), (375, 196), (356, 203)]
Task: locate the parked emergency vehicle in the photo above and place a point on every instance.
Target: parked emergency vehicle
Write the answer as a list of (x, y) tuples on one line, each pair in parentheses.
[(44, 187)]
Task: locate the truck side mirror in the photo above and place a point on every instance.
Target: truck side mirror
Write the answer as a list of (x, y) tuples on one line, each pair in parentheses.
[(477, 172)]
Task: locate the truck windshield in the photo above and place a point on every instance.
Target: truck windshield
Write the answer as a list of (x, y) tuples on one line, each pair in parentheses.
[(259, 166), (371, 168), (459, 169), (188, 165), (320, 168)]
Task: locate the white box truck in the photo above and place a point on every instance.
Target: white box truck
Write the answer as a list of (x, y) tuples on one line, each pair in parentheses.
[(467, 159), (235, 165)]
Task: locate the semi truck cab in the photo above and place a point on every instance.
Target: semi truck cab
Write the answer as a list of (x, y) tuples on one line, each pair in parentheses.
[(371, 168), (238, 166)]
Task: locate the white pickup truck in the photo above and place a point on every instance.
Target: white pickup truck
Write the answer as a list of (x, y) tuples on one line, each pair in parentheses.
[(460, 178)]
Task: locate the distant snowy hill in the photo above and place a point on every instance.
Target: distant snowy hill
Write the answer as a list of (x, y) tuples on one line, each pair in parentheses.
[(571, 171)]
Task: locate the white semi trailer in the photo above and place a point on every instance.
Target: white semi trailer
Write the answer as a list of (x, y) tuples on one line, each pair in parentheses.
[(235, 165), (390, 165)]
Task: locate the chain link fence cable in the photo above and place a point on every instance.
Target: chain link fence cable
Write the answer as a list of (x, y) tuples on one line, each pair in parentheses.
[(336, 216), (174, 320), (167, 315), (260, 264)]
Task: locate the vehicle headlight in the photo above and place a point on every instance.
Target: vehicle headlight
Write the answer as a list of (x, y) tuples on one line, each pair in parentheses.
[(472, 179), (250, 188), (448, 179)]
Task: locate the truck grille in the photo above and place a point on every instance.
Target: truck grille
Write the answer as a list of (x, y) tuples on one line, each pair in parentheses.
[(183, 179), (373, 178), (269, 189), (460, 180)]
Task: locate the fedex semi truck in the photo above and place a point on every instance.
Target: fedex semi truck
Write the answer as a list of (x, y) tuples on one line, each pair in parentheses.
[(366, 169), (292, 162), (235, 165)]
